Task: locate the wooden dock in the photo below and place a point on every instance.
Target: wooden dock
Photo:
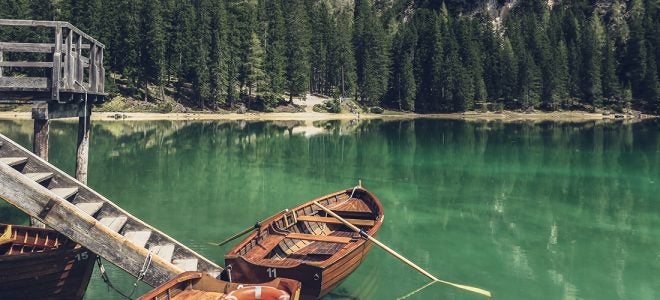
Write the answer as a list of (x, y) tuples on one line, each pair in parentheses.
[(43, 191), (73, 81), (75, 61)]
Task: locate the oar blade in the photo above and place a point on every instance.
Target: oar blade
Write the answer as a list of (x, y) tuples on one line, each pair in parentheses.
[(468, 288)]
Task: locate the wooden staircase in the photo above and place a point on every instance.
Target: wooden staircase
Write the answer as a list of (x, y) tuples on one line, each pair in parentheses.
[(70, 207)]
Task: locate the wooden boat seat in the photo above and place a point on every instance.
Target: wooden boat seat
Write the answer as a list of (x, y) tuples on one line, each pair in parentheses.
[(319, 238), (331, 220), (198, 295)]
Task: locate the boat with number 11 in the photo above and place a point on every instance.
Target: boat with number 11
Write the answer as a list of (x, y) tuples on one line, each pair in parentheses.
[(306, 244)]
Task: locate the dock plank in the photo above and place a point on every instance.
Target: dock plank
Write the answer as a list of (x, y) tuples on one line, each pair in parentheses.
[(90, 208), (114, 223), (39, 177), (13, 161), (164, 251), (65, 192), (186, 264), (139, 238)]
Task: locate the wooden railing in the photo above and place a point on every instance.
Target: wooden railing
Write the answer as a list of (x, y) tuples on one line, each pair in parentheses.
[(72, 71)]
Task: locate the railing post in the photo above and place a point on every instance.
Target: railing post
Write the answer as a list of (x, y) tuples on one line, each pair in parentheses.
[(92, 68), (102, 72), (1, 59), (57, 64), (80, 71), (69, 68)]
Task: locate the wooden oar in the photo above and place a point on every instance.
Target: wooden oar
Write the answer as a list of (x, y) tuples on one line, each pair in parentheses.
[(246, 230), (399, 256), (235, 236)]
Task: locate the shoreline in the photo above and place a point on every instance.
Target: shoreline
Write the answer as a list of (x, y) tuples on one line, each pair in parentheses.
[(506, 116)]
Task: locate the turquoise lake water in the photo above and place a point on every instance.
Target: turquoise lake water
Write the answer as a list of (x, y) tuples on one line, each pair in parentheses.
[(526, 210)]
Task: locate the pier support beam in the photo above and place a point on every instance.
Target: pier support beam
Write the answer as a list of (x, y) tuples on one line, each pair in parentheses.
[(82, 157), (40, 148)]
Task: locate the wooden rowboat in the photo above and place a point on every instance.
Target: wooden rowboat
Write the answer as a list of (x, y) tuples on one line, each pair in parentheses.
[(201, 286), (38, 263), (307, 245)]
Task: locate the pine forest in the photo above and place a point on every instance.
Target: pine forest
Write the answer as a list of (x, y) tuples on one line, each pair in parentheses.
[(422, 56)]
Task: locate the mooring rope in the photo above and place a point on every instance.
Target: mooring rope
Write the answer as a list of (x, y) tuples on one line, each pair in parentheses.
[(140, 277)]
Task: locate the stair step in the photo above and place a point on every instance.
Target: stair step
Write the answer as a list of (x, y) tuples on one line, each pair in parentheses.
[(90, 207), (65, 192), (39, 177), (114, 223), (13, 161), (139, 238), (186, 264), (164, 251)]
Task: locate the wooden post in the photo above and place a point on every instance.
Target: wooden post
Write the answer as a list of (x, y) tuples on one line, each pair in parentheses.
[(40, 148), (57, 64), (80, 70), (101, 78), (1, 59), (92, 69), (40, 143), (69, 67), (84, 131)]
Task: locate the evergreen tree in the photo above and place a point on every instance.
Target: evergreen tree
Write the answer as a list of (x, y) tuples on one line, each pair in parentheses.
[(509, 75), (152, 45), (652, 86), (297, 54), (560, 73), (593, 43), (200, 72), (529, 81), (341, 60), (427, 54), (449, 64), (126, 52), (275, 47), (403, 87), (372, 61), (255, 72), (492, 52), (219, 53), (609, 80), (319, 58), (635, 61)]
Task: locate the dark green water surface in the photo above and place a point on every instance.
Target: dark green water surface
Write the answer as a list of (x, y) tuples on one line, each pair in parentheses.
[(527, 211)]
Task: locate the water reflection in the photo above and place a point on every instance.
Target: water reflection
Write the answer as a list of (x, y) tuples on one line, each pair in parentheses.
[(528, 211)]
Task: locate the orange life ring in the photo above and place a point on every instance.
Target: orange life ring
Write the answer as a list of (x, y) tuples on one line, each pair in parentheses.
[(257, 293)]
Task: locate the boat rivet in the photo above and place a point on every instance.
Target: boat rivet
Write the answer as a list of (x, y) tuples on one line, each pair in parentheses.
[(316, 276)]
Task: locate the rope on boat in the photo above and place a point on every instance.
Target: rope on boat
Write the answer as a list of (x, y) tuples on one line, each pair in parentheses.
[(353, 192), (141, 274)]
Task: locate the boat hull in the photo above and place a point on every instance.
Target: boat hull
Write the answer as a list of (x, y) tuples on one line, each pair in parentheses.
[(246, 263), (313, 286), (61, 273), (197, 285)]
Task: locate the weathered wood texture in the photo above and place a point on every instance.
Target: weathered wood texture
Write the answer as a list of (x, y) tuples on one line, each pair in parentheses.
[(82, 157), (68, 64), (40, 148), (116, 238)]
